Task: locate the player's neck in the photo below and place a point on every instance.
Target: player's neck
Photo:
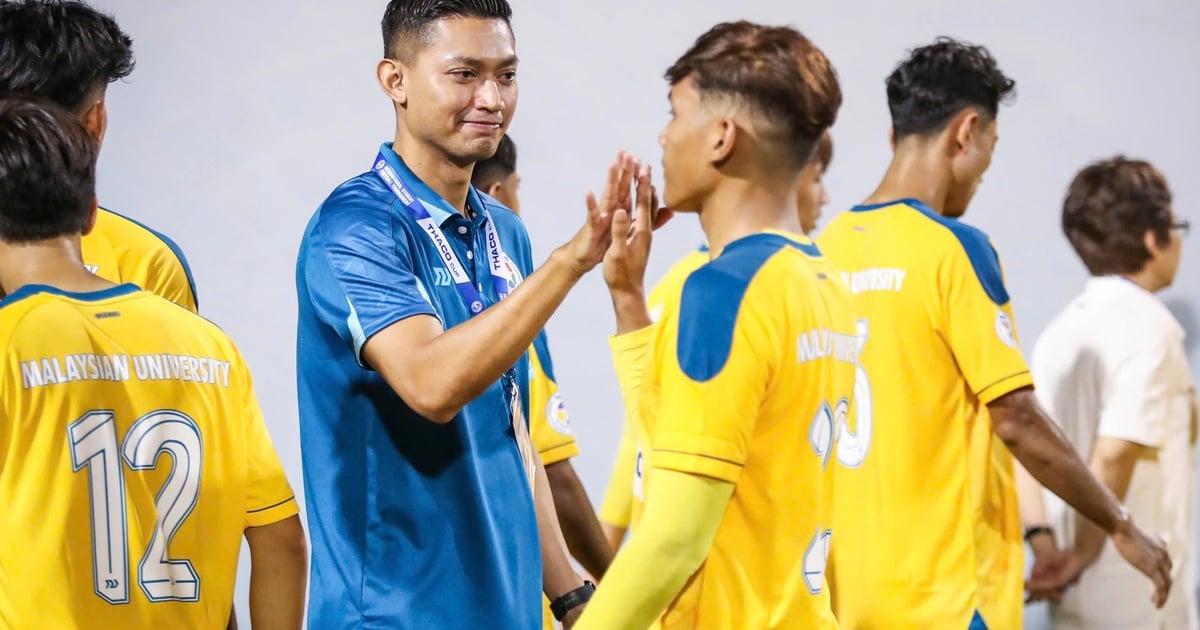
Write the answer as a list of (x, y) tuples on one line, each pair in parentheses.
[(56, 262), (740, 207), (914, 174), (450, 180)]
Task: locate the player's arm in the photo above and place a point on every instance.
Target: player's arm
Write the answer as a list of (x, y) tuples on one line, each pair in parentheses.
[(558, 576), (471, 356), (278, 574), (671, 541), (1112, 462), (1044, 451), (585, 539)]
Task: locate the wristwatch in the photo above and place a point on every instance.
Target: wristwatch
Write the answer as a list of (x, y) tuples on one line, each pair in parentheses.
[(1038, 530), (572, 599)]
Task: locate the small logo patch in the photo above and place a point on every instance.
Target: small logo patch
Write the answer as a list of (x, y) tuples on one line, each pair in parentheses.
[(556, 415), (1004, 329)]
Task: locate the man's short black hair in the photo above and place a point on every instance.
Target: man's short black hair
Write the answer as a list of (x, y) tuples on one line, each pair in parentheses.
[(407, 21), (60, 50), (502, 164), (47, 171), (938, 81)]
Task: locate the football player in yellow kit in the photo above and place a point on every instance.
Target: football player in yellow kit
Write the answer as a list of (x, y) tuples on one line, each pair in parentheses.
[(100, 381), (736, 390)]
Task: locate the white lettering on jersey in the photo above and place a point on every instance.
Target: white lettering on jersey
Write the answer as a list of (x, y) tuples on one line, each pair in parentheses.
[(822, 342), (875, 280), (116, 367)]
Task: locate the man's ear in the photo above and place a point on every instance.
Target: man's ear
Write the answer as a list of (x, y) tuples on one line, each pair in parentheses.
[(724, 136), (95, 119), (392, 75)]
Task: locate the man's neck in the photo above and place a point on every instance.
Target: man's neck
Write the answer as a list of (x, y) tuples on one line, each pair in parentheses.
[(739, 207), (449, 180), (914, 174), (1146, 279), (55, 262)]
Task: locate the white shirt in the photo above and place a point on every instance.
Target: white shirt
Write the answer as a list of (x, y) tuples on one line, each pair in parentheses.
[(1113, 364)]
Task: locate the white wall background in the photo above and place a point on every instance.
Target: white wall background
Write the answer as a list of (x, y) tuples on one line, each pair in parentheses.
[(242, 116)]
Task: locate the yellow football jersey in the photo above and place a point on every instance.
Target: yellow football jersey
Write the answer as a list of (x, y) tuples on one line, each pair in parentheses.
[(122, 250), (925, 511), (751, 369), (133, 455), (618, 498), (549, 426)]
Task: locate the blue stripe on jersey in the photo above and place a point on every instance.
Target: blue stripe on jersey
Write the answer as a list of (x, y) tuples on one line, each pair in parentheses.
[(977, 622), (171, 245), (712, 297), (541, 346), (31, 290), (974, 241)]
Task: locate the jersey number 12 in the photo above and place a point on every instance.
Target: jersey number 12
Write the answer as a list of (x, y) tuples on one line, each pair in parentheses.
[(93, 439)]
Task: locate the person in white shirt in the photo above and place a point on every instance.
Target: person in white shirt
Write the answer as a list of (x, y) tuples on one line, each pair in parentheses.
[(1112, 370)]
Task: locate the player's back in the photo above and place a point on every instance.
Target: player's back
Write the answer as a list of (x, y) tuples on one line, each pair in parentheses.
[(132, 458), (925, 511), (759, 350)]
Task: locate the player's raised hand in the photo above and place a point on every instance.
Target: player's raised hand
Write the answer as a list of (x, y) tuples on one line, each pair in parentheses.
[(625, 261), (1147, 554), (587, 247)]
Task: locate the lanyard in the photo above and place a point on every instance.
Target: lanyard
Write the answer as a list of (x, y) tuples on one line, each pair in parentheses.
[(495, 253)]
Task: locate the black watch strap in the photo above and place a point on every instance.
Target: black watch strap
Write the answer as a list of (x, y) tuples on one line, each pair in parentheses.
[(572, 599), (1038, 530)]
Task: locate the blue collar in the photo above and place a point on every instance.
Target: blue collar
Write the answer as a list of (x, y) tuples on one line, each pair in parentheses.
[(915, 203), (31, 290), (439, 209)]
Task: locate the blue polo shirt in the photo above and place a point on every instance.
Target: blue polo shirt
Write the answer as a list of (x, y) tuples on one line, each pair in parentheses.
[(413, 524)]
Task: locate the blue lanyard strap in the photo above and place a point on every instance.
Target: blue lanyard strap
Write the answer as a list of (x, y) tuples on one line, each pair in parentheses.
[(497, 261)]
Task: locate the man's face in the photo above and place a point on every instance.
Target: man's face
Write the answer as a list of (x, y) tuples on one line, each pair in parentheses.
[(969, 165), (686, 171), (1166, 259), (461, 87), (811, 196)]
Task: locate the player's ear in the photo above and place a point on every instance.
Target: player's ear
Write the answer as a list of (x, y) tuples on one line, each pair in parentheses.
[(892, 138), (91, 221), (493, 189), (725, 135), (391, 74), (95, 118), (965, 126)]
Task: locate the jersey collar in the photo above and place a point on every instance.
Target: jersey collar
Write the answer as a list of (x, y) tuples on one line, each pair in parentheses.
[(439, 209), (31, 290)]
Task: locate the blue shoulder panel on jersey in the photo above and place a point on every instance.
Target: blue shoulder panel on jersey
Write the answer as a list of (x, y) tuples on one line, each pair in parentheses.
[(542, 347), (31, 290), (175, 249), (712, 297), (980, 252)]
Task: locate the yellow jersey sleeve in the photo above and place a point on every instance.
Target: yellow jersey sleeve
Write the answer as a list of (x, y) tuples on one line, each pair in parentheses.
[(977, 318), (630, 357), (122, 250), (715, 368), (269, 496), (549, 423)]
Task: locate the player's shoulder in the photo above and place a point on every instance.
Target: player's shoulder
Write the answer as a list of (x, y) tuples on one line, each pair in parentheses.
[(141, 241), (360, 200), (715, 294), (959, 243)]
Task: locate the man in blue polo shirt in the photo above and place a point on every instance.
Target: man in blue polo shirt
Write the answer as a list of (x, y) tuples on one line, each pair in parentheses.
[(412, 378)]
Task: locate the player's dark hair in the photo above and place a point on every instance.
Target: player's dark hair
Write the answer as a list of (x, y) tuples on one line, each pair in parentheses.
[(47, 171), (407, 22), (60, 50), (776, 70), (502, 164), (938, 81), (824, 154), (1109, 207)]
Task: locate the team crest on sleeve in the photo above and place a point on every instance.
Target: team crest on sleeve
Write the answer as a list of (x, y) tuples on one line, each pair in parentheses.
[(1005, 330), (556, 415)]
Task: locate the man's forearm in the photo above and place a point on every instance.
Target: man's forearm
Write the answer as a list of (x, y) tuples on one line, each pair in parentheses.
[(558, 576), (1112, 461), (582, 531), (471, 356), (629, 306), (1045, 452)]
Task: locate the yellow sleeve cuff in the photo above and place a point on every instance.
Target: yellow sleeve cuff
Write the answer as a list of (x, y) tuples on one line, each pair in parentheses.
[(274, 513), (559, 452)]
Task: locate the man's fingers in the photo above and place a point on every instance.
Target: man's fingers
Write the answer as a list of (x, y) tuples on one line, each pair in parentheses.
[(662, 217), (620, 231), (645, 201)]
